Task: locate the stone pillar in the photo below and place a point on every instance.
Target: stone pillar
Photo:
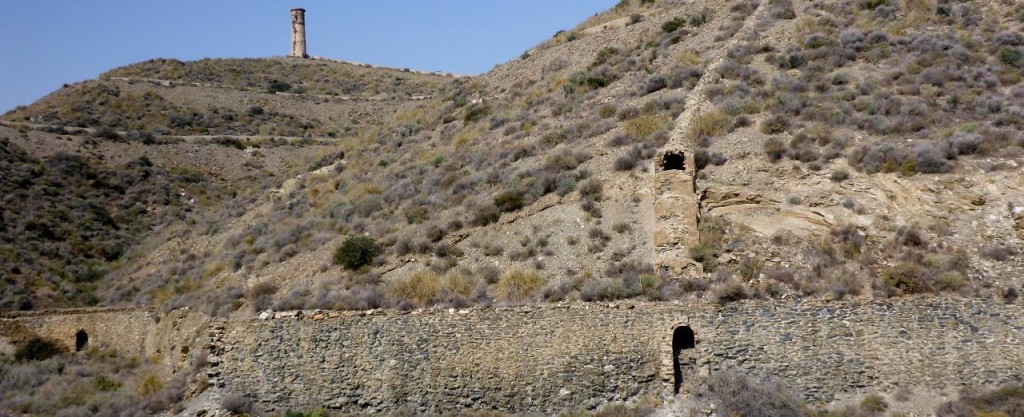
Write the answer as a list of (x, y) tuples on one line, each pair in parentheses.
[(299, 33)]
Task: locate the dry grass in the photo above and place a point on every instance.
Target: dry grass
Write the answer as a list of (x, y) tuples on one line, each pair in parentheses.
[(519, 285), (421, 288), (711, 124), (644, 126)]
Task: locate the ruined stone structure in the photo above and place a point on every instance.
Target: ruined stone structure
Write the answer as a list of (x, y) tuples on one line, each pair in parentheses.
[(557, 357), (676, 212), (173, 338), (120, 329), (299, 33)]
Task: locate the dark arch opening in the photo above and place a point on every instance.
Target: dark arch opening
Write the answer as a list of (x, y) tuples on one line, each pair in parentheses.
[(81, 340), (682, 338), (673, 162)]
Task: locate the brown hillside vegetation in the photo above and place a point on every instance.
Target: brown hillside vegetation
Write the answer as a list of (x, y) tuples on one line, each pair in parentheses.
[(840, 149), (664, 150)]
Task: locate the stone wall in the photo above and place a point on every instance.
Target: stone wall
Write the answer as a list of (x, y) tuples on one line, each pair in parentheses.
[(122, 329), (173, 339), (550, 358), (558, 357)]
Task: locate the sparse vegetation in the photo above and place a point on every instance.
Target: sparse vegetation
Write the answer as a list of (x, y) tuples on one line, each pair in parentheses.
[(93, 382), (887, 87)]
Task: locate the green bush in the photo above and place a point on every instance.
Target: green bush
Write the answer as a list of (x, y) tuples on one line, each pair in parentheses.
[(278, 86), (706, 254), (604, 55), (907, 277), (508, 201), (671, 25), (106, 384), (476, 112), (357, 251), (1010, 56), (37, 349), (774, 124), (320, 412), (874, 404)]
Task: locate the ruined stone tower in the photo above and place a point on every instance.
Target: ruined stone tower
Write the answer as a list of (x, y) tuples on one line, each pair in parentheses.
[(299, 33)]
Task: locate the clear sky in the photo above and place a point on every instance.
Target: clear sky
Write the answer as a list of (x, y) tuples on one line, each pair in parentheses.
[(45, 43)]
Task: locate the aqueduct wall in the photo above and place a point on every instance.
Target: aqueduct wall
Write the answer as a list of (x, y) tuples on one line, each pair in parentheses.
[(172, 338), (121, 329), (550, 358), (556, 357)]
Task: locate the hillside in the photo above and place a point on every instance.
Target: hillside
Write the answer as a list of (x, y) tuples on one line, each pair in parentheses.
[(161, 158), (853, 166), (828, 149)]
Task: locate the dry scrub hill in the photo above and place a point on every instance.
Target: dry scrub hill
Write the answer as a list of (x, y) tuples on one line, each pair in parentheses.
[(837, 149), (166, 149)]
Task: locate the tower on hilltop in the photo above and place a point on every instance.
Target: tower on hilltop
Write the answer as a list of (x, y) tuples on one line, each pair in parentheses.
[(299, 33)]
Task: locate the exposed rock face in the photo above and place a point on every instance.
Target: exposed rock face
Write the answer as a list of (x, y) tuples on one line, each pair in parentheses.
[(299, 34)]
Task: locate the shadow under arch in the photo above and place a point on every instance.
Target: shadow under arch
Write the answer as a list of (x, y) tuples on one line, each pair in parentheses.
[(682, 338), (81, 340), (673, 161)]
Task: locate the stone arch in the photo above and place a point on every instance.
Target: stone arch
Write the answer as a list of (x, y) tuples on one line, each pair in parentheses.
[(682, 338), (673, 161), (81, 340)]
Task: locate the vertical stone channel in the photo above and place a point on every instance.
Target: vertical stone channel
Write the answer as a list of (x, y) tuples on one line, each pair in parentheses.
[(677, 210), (675, 213)]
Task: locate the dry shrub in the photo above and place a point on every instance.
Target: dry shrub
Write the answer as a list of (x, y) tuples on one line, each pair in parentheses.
[(1005, 401), (907, 278), (149, 384), (741, 395), (998, 253), (644, 126), (920, 7), (729, 291), (460, 282), (236, 403), (261, 295), (710, 125), (420, 288), (518, 285)]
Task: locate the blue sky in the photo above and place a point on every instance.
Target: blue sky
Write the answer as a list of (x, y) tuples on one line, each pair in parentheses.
[(46, 43)]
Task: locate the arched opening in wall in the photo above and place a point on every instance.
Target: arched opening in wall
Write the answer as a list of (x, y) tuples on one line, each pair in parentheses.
[(673, 161), (81, 340), (682, 339)]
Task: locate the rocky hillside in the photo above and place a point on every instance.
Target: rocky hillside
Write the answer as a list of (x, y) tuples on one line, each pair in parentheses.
[(661, 150), (98, 172)]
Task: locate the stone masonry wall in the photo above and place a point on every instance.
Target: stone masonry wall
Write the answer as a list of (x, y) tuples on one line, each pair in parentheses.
[(558, 357), (122, 329), (550, 358)]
